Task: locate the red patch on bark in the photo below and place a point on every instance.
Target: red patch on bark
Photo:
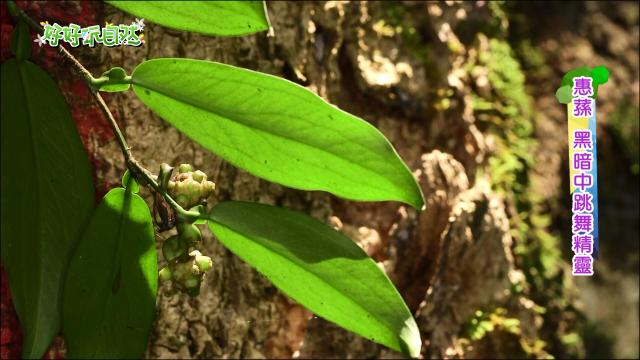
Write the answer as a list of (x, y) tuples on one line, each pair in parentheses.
[(10, 333)]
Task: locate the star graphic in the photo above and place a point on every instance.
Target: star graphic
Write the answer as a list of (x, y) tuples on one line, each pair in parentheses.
[(139, 23), (40, 40)]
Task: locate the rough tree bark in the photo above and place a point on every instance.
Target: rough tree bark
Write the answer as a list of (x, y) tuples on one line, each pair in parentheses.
[(407, 79)]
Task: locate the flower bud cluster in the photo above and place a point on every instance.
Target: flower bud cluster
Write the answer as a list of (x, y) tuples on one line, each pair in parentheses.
[(186, 266), (187, 273), (188, 187)]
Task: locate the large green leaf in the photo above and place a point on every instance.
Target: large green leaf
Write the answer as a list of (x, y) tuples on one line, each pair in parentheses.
[(320, 268), (47, 197), (110, 292), (21, 41), (222, 18), (275, 129)]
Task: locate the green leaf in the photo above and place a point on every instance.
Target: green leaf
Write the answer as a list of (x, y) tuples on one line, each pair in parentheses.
[(110, 292), (222, 18), (47, 197), (21, 41), (275, 129), (114, 80), (320, 268), (127, 181)]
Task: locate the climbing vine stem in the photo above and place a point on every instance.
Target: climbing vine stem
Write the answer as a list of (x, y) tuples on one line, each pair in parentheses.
[(142, 175)]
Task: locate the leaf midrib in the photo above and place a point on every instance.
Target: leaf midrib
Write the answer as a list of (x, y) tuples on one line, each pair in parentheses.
[(22, 78), (126, 202)]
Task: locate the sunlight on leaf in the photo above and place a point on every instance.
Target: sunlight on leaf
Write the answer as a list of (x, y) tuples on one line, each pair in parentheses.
[(110, 290), (222, 18), (275, 129), (320, 268)]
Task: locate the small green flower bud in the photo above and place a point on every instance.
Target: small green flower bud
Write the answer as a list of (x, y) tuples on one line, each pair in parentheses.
[(181, 270), (192, 282), (192, 189), (189, 232), (182, 200), (199, 176), (173, 247), (192, 285), (165, 274), (209, 187), (204, 263), (185, 168)]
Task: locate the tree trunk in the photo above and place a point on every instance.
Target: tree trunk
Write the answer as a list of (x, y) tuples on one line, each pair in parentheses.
[(415, 71)]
